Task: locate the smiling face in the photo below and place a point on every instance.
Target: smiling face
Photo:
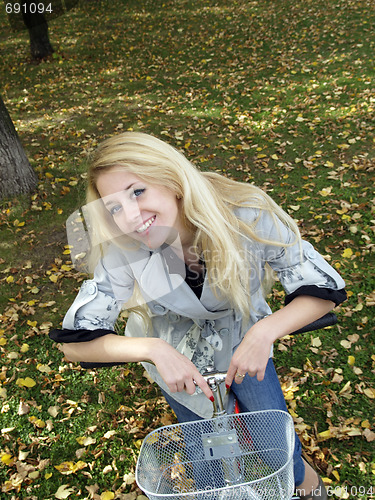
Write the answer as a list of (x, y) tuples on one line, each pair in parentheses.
[(146, 212)]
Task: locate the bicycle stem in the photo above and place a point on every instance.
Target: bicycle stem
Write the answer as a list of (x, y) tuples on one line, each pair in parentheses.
[(214, 379)]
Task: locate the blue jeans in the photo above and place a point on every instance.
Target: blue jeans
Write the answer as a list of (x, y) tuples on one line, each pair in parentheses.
[(253, 395)]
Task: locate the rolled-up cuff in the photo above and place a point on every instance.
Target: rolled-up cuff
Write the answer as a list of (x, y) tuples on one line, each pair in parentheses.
[(68, 336), (336, 296)]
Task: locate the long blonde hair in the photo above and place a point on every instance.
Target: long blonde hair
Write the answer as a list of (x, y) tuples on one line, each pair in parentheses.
[(208, 201)]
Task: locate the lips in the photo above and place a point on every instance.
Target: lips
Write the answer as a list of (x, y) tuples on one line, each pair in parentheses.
[(145, 225)]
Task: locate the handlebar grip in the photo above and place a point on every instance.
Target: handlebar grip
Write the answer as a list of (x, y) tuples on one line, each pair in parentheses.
[(328, 319)]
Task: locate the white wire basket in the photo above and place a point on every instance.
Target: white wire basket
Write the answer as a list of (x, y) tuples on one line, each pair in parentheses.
[(247, 456)]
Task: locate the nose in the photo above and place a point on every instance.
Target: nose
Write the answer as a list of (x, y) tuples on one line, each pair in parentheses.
[(130, 216)]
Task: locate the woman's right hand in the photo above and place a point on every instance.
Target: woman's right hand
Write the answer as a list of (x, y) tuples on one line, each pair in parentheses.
[(177, 371)]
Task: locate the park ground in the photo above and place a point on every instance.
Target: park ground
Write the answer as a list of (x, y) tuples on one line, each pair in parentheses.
[(279, 93)]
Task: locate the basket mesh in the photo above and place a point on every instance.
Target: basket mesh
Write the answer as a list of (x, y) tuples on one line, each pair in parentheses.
[(246, 457)]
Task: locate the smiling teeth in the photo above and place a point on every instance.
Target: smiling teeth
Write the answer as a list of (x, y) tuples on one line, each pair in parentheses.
[(145, 225)]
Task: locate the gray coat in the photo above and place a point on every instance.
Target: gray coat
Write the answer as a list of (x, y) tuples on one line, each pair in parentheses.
[(203, 327)]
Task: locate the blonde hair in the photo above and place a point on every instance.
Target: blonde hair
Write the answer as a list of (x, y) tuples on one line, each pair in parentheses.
[(208, 201)]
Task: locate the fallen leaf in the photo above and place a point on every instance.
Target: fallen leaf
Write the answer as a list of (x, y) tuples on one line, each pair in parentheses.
[(347, 253), (316, 342), (107, 495), (64, 491), (70, 467), (25, 382), (370, 392)]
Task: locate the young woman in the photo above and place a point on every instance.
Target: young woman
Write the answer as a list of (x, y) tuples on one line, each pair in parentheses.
[(188, 253)]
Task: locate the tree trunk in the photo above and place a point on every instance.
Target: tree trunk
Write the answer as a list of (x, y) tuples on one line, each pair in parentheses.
[(16, 173), (36, 23)]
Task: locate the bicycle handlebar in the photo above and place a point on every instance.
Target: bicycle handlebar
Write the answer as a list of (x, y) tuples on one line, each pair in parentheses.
[(328, 319)]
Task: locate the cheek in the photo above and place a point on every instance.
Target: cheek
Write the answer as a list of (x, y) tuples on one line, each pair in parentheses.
[(120, 223), (173, 208)]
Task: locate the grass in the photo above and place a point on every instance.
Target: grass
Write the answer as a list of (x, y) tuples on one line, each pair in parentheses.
[(278, 93)]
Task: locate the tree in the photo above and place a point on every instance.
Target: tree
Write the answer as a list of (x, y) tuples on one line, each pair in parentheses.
[(40, 46), (34, 16), (16, 173)]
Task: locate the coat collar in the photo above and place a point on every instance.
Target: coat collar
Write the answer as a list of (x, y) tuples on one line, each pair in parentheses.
[(161, 277)]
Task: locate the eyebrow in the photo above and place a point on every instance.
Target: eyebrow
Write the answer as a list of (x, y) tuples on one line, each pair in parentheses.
[(111, 202)]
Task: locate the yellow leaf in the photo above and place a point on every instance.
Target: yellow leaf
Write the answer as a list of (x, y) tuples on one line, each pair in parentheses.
[(85, 440), (3, 341), (29, 382), (54, 278), (107, 495), (326, 191), (47, 475), (25, 382), (37, 422), (275, 157), (336, 474), (6, 458), (325, 434), (9, 279), (347, 253), (25, 347), (138, 443), (70, 467), (351, 360)]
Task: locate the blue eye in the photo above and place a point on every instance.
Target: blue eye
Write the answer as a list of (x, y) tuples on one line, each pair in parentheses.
[(138, 192), (113, 210)]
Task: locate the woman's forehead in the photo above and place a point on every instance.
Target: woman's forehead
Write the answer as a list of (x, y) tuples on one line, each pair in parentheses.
[(114, 180)]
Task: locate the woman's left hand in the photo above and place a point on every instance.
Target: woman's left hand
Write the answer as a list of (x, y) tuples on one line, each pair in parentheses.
[(250, 357)]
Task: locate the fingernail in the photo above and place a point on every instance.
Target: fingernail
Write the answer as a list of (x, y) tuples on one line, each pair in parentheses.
[(212, 399), (227, 386)]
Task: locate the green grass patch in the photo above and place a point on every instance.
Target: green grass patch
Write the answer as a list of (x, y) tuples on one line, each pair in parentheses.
[(279, 93)]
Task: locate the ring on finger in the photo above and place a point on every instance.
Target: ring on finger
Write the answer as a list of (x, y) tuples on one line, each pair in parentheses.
[(239, 375)]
